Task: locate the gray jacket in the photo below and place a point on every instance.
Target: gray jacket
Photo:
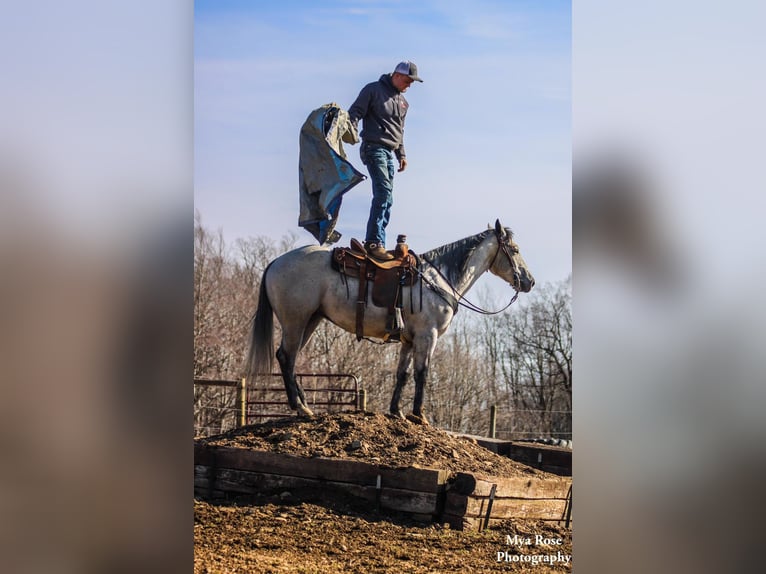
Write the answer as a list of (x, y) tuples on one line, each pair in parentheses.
[(383, 108)]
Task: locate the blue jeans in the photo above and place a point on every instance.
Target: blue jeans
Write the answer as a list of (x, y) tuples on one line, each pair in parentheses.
[(381, 165)]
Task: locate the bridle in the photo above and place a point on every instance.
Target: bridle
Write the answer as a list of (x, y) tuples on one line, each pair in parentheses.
[(503, 245)]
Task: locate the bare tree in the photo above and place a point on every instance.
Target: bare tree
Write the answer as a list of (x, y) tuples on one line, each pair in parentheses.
[(226, 286), (532, 351), (458, 395)]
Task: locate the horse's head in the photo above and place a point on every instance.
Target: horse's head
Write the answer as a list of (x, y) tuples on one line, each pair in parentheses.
[(508, 263)]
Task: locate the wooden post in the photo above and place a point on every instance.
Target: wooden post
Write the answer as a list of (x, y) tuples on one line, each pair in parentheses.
[(489, 506), (363, 400), (242, 403), (492, 420), (569, 509)]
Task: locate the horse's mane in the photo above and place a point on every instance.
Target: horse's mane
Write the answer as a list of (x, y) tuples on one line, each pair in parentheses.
[(451, 259)]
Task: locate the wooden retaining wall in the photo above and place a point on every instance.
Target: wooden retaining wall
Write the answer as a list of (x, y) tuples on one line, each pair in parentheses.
[(545, 457), (463, 500), (473, 501), (229, 473)]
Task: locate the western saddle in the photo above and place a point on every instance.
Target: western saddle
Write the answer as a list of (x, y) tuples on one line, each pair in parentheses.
[(387, 279)]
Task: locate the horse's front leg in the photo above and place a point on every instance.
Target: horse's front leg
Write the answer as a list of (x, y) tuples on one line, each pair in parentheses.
[(402, 374), (423, 351)]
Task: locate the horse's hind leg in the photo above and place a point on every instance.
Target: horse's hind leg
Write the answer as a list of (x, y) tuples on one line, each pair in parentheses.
[(402, 374), (311, 326), (287, 366), (292, 341)]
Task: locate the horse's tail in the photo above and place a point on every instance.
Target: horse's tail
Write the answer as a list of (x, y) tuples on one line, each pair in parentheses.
[(260, 358)]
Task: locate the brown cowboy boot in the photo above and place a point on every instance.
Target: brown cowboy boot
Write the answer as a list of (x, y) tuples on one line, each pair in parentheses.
[(377, 251)]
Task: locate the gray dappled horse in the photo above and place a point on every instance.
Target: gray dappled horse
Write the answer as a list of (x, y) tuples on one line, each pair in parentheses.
[(301, 288)]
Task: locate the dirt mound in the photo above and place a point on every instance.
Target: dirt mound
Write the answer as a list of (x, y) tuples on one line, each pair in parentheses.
[(384, 440)]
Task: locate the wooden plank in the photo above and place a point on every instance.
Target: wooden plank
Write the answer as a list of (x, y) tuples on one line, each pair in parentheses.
[(204, 455), (544, 457), (337, 470), (200, 470), (472, 507), (564, 453), (512, 487), (408, 501), (553, 469), (457, 504), (246, 482)]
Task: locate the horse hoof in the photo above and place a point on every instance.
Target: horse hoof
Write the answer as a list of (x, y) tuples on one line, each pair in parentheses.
[(305, 412), (418, 420)]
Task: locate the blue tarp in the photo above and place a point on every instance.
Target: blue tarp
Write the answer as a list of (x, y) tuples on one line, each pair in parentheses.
[(324, 172)]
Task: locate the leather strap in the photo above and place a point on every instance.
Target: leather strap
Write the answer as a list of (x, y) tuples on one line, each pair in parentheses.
[(361, 300)]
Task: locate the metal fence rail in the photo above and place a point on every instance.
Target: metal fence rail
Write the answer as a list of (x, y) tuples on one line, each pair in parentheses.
[(510, 419), (240, 404), (339, 392)]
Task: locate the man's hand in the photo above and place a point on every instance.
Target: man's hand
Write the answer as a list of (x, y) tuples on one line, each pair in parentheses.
[(402, 163)]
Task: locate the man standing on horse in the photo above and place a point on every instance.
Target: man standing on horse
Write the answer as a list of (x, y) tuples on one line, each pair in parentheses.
[(383, 108)]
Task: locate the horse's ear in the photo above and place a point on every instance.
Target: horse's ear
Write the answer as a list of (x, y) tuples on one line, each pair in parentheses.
[(499, 228)]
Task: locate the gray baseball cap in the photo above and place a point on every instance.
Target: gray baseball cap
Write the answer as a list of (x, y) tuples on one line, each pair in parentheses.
[(408, 69)]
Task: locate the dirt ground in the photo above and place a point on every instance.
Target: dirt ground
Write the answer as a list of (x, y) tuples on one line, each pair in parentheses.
[(286, 535), (306, 538)]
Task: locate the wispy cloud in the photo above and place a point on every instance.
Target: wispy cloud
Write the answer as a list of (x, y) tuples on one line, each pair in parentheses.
[(491, 122)]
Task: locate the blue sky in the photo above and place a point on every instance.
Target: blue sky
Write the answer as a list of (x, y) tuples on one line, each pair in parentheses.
[(488, 133)]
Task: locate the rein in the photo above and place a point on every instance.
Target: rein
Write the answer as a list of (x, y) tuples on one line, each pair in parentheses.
[(461, 299)]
